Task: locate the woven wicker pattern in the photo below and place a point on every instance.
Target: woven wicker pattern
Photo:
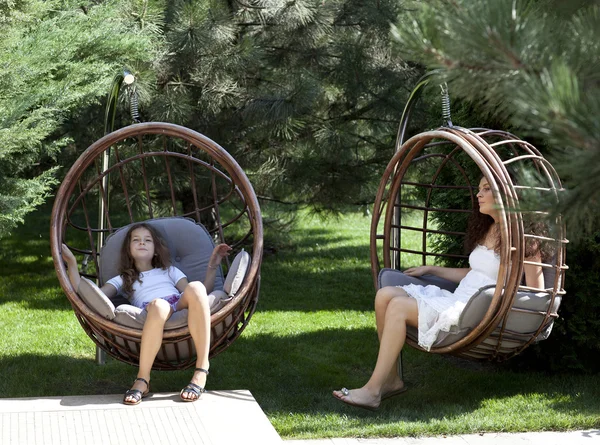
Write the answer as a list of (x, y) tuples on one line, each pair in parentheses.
[(147, 171)]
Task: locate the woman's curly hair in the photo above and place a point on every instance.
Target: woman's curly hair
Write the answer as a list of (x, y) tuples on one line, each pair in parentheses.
[(128, 271), (479, 224)]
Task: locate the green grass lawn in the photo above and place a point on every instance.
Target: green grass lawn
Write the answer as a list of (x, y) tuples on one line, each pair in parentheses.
[(313, 331)]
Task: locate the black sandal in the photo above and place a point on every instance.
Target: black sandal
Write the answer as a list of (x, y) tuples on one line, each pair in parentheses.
[(136, 393), (192, 388)]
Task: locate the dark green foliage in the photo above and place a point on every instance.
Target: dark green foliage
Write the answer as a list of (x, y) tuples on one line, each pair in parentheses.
[(505, 57), (574, 345), (306, 95)]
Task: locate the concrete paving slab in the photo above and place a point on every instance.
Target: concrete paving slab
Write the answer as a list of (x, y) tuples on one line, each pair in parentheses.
[(220, 417)]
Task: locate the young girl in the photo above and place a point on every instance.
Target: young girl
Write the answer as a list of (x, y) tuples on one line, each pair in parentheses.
[(151, 283), (431, 309)]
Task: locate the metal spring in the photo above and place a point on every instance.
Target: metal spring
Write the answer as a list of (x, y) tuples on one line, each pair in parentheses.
[(133, 106), (446, 105)]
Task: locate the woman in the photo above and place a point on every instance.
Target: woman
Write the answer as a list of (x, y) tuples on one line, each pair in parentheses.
[(431, 309)]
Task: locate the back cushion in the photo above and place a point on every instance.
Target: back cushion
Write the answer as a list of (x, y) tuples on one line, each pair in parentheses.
[(189, 243)]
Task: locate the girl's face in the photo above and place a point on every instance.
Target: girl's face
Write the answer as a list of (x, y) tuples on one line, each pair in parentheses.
[(486, 198), (141, 245)]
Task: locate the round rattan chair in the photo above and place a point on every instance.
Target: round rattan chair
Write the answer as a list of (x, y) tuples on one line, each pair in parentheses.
[(436, 173), (148, 171)]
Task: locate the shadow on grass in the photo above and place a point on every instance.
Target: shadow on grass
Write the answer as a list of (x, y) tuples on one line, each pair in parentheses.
[(294, 375), (297, 374)]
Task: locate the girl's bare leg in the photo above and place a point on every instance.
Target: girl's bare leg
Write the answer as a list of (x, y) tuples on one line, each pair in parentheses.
[(195, 300), (401, 311), (159, 312)]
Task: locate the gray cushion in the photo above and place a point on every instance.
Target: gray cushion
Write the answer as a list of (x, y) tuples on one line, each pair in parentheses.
[(392, 277), (237, 273), (189, 243), (477, 306), (95, 299)]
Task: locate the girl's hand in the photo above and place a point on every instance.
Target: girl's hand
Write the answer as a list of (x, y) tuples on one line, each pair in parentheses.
[(68, 256), (220, 252), (417, 271)]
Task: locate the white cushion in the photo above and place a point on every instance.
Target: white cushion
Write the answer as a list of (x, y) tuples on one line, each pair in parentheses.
[(95, 299), (237, 273)]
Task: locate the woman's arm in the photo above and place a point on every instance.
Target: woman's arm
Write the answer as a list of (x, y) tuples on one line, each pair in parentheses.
[(219, 252), (454, 274), (533, 274)]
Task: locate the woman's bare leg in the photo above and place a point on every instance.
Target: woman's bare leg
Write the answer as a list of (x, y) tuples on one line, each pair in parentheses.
[(382, 300), (159, 312), (402, 311), (195, 300)]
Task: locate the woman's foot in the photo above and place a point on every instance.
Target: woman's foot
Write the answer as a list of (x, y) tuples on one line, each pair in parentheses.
[(361, 397), (392, 388), (195, 388), (139, 390)]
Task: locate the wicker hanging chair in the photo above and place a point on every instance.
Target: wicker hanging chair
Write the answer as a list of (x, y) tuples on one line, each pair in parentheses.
[(152, 171), (437, 172)]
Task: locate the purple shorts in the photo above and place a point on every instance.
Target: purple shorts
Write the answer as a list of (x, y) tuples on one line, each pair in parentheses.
[(171, 299)]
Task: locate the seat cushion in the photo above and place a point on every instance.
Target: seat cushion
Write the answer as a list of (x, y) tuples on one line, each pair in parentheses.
[(134, 317), (393, 277)]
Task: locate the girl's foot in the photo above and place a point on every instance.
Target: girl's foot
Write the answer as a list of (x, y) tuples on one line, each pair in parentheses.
[(362, 398), (139, 390), (195, 388)]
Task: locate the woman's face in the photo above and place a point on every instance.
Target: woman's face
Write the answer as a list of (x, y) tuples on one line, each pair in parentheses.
[(487, 203), (141, 245)]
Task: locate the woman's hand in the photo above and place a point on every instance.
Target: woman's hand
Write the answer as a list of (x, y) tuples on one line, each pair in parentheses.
[(219, 252), (417, 271)]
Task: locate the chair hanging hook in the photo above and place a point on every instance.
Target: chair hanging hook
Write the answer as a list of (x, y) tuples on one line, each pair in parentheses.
[(446, 105), (133, 107)]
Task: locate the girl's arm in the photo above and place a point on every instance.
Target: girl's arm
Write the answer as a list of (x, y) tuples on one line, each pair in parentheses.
[(533, 274), (182, 284), (73, 271), (454, 274), (219, 252), (72, 268)]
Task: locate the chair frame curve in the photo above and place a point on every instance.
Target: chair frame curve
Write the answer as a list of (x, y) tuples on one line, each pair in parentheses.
[(385, 232), (121, 341)]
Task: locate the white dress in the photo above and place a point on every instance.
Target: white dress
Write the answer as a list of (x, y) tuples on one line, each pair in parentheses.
[(439, 309)]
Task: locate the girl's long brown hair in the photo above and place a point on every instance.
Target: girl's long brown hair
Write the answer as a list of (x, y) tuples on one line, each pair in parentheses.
[(127, 269)]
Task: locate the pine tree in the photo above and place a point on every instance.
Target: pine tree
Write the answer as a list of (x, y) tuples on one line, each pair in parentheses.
[(305, 94), (530, 64), (56, 61)]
